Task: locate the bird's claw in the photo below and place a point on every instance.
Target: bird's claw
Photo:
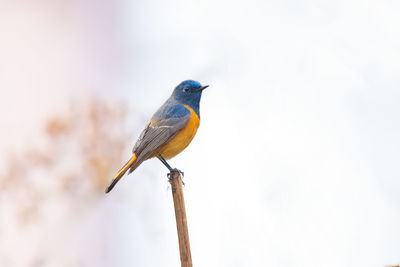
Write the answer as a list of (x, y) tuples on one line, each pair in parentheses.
[(175, 170)]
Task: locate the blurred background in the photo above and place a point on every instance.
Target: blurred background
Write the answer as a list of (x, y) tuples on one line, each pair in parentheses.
[(296, 162)]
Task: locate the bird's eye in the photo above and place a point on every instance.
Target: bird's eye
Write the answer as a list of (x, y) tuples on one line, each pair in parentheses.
[(186, 90)]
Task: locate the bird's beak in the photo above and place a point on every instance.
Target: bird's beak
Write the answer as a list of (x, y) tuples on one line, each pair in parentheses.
[(203, 87)]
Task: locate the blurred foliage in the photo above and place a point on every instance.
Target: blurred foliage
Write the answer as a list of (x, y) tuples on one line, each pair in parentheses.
[(82, 149)]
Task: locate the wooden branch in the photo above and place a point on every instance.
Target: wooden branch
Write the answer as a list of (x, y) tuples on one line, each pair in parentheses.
[(181, 222)]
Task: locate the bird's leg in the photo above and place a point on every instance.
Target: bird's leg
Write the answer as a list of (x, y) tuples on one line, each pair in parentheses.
[(169, 167), (165, 163)]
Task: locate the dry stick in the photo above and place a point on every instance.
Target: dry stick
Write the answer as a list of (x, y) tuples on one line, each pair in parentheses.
[(181, 222)]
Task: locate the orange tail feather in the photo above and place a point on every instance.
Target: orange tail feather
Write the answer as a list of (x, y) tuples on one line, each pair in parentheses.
[(121, 173)]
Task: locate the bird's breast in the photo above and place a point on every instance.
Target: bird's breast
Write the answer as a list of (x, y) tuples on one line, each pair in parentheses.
[(180, 141)]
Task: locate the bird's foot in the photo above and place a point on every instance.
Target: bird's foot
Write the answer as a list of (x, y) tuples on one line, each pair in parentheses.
[(175, 170), (169, 175)]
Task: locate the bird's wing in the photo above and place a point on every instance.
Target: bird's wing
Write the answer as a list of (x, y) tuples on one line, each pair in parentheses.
[(164, 125)]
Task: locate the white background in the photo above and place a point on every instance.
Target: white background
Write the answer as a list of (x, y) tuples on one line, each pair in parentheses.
[(296, 162)]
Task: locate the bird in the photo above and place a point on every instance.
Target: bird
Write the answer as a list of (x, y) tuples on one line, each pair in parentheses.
[(170, 130)]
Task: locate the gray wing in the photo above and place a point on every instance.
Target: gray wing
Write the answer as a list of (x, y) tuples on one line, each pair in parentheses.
[(157, 133)]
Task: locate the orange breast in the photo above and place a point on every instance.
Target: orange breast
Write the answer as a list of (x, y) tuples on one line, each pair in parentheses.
[(183, 138)]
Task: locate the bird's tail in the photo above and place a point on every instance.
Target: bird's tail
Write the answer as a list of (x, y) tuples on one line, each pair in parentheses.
[(121, 173)]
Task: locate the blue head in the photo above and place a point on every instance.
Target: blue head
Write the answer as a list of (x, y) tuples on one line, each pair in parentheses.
[(189, 93)]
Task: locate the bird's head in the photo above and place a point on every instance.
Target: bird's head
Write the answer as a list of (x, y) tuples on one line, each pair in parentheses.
[(189, 93)]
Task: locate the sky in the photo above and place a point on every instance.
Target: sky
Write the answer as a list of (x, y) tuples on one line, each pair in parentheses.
[(296, 159)]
